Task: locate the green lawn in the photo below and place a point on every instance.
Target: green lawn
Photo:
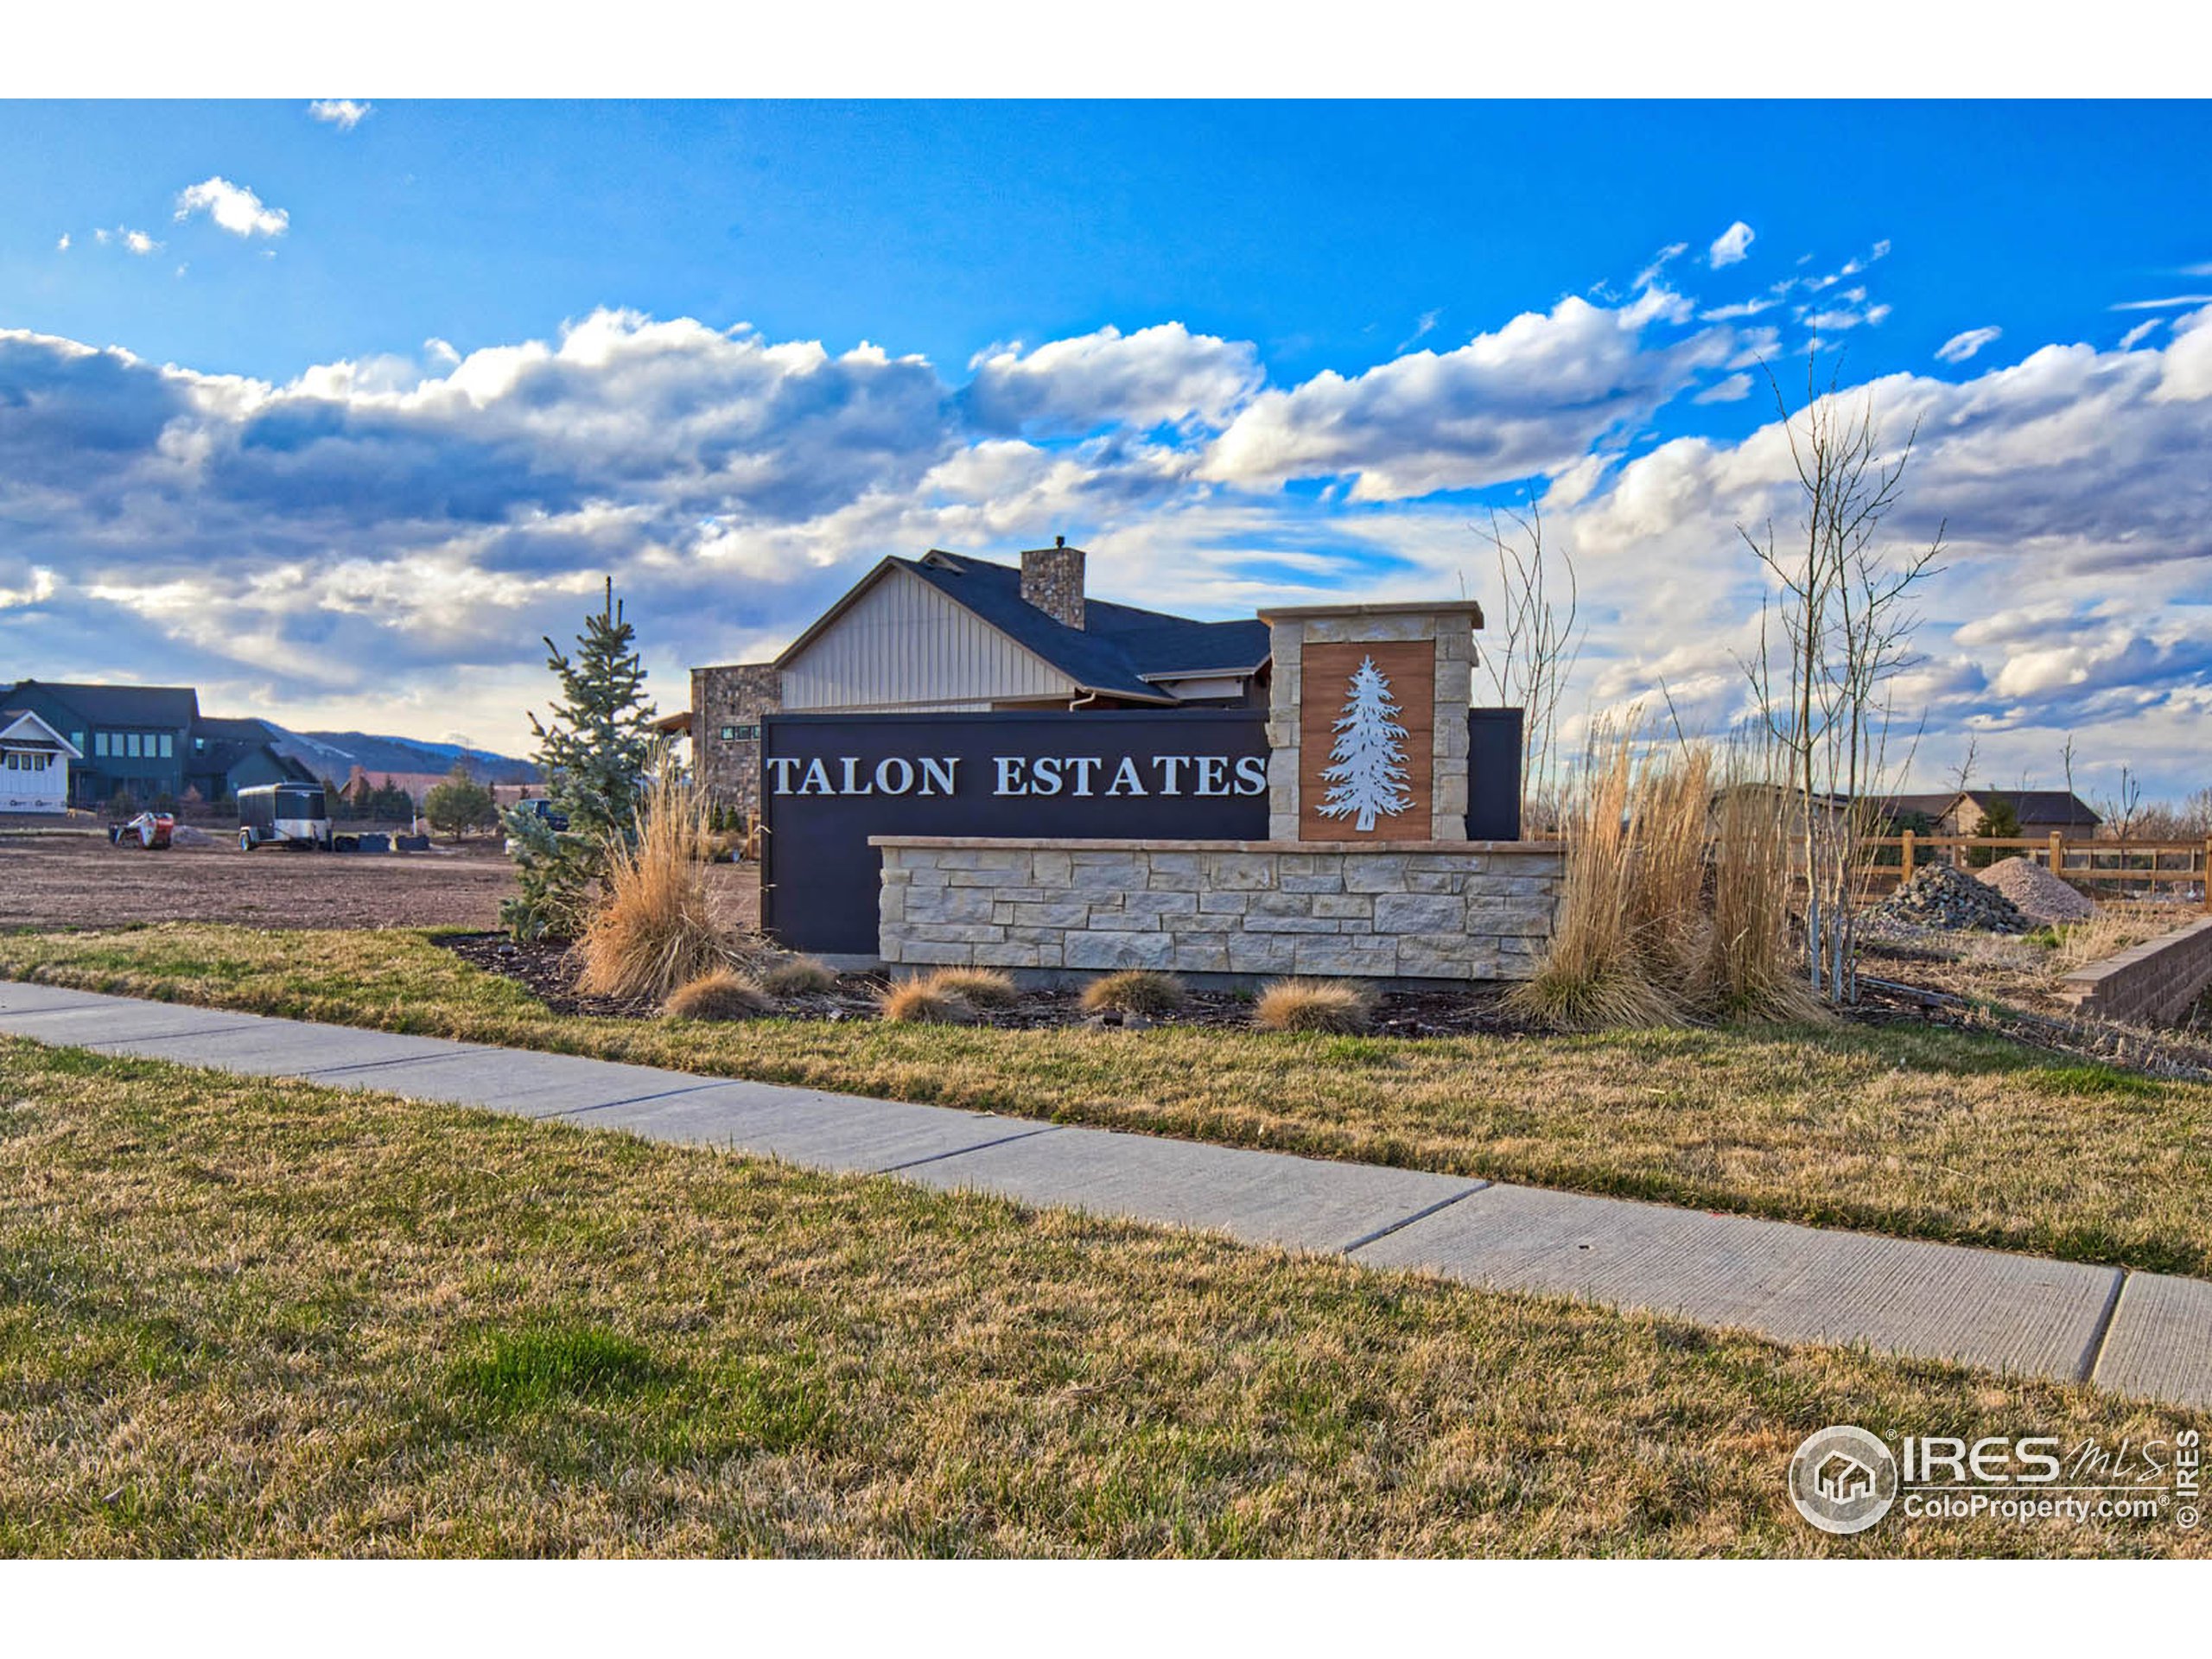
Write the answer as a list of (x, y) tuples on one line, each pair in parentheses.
[(246, 1318), (1904, 1130)]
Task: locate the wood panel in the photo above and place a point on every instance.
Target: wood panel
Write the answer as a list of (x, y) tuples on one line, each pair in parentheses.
[(1410, 666)]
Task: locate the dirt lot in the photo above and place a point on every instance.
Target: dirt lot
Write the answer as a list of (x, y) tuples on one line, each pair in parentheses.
[(78, 880)]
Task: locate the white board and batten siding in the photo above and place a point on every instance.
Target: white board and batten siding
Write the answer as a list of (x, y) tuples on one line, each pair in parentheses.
[(903, 644)]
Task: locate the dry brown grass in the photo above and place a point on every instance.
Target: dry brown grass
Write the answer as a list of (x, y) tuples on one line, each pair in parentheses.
[(1750, 968), (979, 987), (1594, 974), (1892, 1128), (721, 994), (1135, 990), (655, 927), (1341, 1006), (798, 976), (925, 1002), (250, 1318)]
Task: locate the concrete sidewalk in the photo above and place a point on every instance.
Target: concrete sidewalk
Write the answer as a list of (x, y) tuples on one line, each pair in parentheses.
[(2142, 1334)]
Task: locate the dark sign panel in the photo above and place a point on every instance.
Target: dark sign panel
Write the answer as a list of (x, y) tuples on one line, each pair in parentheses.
[(828, 782)]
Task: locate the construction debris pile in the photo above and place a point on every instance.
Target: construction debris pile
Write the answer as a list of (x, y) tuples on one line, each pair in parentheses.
[(1951, 901), (2041, 896)]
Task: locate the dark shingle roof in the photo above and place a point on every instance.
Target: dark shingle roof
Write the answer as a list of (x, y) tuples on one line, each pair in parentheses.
[(231, 729), (2041, 806), (173, 706), (1117, 646)]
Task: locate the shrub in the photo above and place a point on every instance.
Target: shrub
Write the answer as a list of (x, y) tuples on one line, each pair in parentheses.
[(719, 995), (460, 804), (1331, 1005), (798, 976), (925, 1002), (653, 927), (979, 987), (1135, 990)]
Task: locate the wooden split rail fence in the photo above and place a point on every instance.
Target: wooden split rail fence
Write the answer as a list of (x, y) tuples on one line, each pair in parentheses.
[(2151, 864)]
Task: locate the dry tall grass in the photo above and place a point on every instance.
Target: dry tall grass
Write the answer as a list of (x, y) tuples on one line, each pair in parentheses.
[(1135, 990), (654, 926), (720, 995), (1750, 968), (925, 1002), (979, 987), (1675, 903), (1593, 976)]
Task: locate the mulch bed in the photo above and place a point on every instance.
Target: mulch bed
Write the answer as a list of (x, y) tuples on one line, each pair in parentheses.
[(546, 969)]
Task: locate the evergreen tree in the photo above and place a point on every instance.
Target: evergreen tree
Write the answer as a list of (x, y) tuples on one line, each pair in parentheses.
[(1370, 773), (460, 804), (594, 752)]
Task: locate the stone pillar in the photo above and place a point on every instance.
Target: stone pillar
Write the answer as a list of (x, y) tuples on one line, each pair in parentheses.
[(1408, 667), (731, 699)]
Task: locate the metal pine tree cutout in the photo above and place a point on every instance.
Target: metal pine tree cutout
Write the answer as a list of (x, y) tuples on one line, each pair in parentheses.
[(1370, 773)]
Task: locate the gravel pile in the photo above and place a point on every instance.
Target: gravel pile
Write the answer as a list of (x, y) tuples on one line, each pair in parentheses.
[(1951, 901), (2039, 895)]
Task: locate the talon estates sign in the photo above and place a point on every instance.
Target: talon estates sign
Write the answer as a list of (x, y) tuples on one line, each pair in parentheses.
[(830, 781)]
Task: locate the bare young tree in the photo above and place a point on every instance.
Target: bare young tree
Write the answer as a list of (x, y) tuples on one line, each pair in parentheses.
[(1833, 635), (2120, 810), (1962, 777), (1531, 640)]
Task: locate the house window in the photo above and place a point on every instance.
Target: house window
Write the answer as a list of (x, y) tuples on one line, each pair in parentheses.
[(167, 752), (740, 733), (77, 741), (100, 744), (131, 747)]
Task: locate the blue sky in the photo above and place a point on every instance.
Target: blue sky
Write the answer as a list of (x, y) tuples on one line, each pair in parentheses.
[(1242, 351)]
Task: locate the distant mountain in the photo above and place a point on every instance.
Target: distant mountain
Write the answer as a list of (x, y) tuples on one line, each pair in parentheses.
[(334, 755)]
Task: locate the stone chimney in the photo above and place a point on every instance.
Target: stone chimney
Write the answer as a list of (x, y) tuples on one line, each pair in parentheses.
[(1052, 580)]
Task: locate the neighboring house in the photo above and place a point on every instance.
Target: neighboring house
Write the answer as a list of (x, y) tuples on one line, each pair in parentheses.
[(946, 631), (34, 764), (229, 755), (152, 743), (2043, 812), (133, 738)]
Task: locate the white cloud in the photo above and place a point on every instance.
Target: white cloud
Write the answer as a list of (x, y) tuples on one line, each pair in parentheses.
[(232, 207), (1731, 246), (734, 485), (1733, 390), (1160, 375), (1959, 347), (1660, 261), (344, 113), (1529, 398), (62, 246), (135, 242), (2139, 332), (2171, 302)]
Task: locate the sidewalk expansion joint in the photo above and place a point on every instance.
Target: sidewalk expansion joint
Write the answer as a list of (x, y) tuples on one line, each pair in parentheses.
[(634, 1100), (168, 1036), (962, 1152), (403, 1059), (1423, 1214), (2103, 1333)]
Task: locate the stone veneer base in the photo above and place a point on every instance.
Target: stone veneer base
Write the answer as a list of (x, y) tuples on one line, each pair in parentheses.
[(1434, 912)]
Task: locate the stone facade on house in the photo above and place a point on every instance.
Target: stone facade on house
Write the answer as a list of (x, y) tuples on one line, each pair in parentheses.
[(1455, 910), (726, 704)]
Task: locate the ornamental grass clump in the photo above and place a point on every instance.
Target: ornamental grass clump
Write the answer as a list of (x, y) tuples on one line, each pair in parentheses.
[(1749, 967), (798, 976), (653, 926), (1135, 990), (925, 1002), (1594, 974), (721, 994), (1331, 1005), (979, 987)]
